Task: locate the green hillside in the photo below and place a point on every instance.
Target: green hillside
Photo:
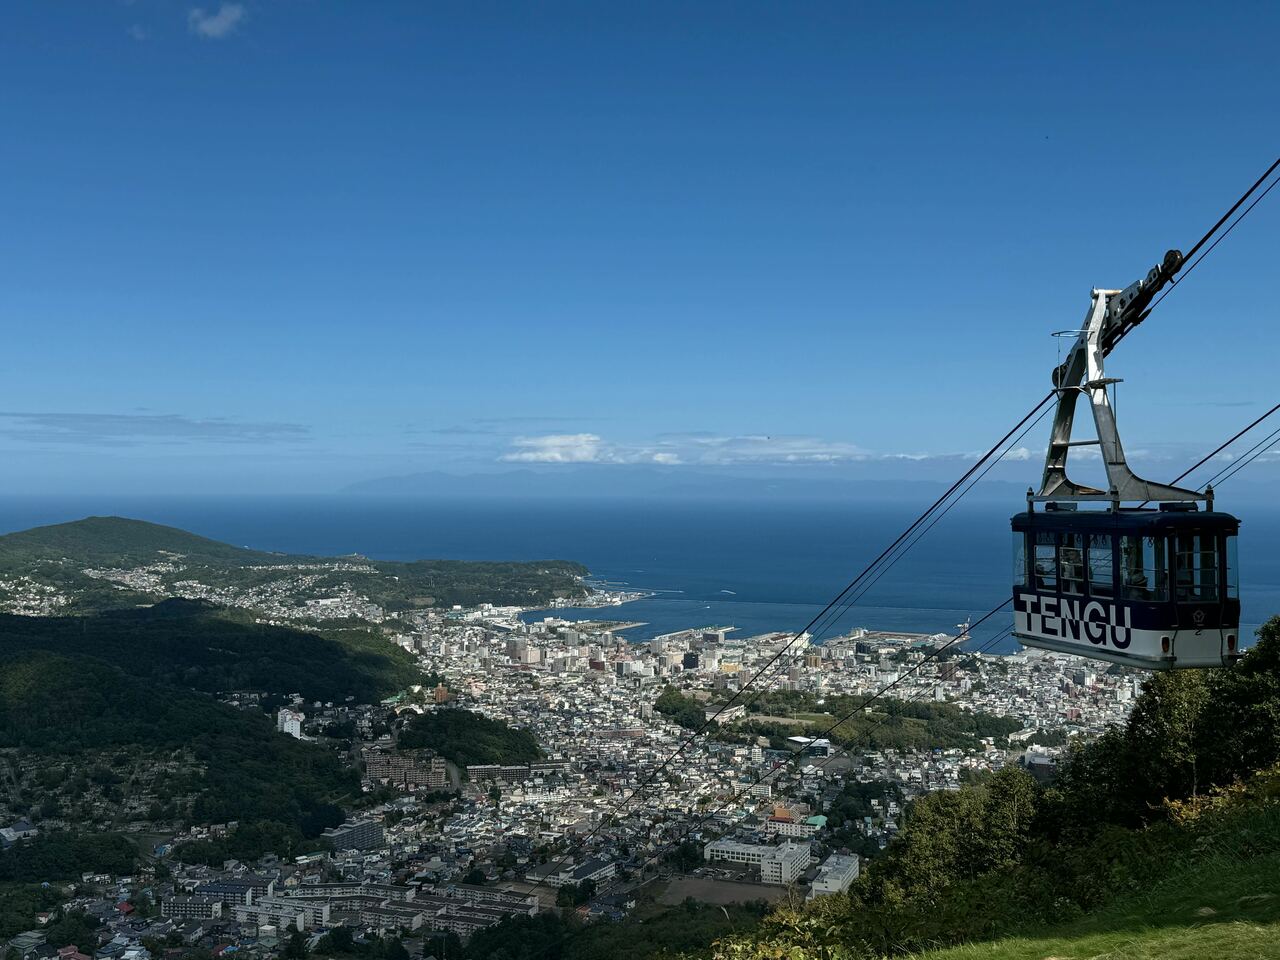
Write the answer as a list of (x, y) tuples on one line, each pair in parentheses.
[(100, 731), (116, 711), (193, 644), (117, 540), (1225, 907), (469, 738)]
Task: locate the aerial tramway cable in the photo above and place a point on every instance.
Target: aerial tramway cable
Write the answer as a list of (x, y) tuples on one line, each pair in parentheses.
[(1253, 453), (1214, 229), (941, 514), (821, 614), (882, 563), (863, 738), (862, 705), (1222, 446), (834, 615), (1234, 207)]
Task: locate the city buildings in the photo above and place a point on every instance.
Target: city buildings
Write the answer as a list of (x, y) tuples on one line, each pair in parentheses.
[(588, 698), (191, 908), (835, 875), (781, 865), (356, 835), (410, 771)]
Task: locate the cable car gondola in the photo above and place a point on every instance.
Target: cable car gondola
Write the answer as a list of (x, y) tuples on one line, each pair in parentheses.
[(1136, 574)]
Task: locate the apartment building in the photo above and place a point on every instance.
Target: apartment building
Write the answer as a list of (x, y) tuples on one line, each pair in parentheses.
[(191, 908), (781, 865), (356, 835), (835, 875)]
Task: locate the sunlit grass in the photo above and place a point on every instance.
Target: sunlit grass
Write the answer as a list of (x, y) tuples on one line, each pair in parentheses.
[(1221, 909)]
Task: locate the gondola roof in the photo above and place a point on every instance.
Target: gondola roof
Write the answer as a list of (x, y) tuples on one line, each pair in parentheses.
[(1106, 521)]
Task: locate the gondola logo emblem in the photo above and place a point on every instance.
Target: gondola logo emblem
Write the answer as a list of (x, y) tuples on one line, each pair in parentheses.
[(1198, 617), (1100, 624)]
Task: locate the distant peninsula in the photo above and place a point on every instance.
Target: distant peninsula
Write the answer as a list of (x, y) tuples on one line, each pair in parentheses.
[(108, 562)]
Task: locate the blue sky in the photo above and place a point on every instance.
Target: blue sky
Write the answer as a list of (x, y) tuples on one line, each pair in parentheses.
[(287, 246)]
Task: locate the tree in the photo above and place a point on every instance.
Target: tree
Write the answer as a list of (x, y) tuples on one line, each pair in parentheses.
[(951, 837), (576, 894), (475, 876), (1241, 728), (1125, 776), (469, 738), (1161, 735), (686, 711), (337, 940), (686, 856), (296, 946)]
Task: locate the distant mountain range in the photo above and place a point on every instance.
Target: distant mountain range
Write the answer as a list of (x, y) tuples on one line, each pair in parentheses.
[(1007, 484), (609, 480)]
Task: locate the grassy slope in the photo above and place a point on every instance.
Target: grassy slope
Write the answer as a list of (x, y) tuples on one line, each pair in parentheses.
[(1222, 907)]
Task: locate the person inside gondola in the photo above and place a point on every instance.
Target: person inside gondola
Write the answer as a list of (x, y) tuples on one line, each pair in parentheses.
[(1071, 563), (1136, 584), (1044, 564), (1195, 568)]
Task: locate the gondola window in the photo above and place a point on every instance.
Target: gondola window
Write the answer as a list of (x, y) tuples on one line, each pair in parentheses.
[(1145, 576), (1101, 565)]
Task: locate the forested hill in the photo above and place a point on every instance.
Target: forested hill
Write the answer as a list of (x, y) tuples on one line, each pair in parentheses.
[(118, 540), (91, 744), (186, 643), (469, 738), (103, 562), (110, 718)]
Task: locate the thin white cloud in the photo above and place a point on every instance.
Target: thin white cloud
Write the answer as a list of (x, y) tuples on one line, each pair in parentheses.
[(139, 32), (215, 26), (761, 448), (558, 448), (675, 449), (583, 448), (715, 450), (132, 429)]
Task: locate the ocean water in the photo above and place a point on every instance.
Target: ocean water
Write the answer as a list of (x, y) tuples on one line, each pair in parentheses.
[(757, 566)]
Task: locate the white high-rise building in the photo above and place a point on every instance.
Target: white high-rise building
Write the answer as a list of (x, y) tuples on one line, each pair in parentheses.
[(290, 722)]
